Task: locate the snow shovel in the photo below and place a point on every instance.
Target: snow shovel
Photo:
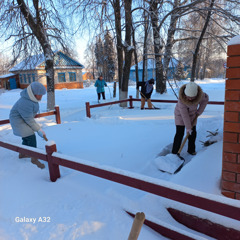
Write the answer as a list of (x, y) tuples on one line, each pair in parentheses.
[(173, 163), (145, 98)]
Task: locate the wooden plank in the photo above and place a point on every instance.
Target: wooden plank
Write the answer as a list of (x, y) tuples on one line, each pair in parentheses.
[(204, 226)]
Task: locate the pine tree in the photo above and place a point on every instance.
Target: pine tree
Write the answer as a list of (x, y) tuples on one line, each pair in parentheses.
[(99, 53), (180, 73), (109, 57)]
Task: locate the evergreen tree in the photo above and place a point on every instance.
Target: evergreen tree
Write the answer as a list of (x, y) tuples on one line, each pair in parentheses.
[(99, 53), (180, 73), (109, 57)]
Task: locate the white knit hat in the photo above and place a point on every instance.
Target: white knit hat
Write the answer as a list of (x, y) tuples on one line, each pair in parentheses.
[(191, 89)]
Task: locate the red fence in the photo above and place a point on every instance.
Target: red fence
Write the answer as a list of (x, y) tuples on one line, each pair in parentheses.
[(131, 100), (154, 186), (55, 160), (55, 112)]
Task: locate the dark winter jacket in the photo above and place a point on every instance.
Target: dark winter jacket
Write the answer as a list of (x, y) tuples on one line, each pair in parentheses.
[(144, 92), (186, 111), (100, 85)]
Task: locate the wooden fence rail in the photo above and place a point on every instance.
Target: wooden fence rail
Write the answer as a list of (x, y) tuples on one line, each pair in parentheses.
[(150, 185), (55, 112), (208, 202), (131, 100)]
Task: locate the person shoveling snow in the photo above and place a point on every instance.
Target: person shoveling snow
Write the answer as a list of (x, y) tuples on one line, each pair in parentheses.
[(191, 104)]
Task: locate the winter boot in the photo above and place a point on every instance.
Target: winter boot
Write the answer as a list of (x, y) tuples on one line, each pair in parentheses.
[(21, 155), (36, 162)]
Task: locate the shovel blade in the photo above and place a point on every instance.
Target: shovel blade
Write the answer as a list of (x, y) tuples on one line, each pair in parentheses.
[(171, 163)]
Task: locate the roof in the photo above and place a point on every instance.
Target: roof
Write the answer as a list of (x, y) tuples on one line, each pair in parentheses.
[(151, 64), (8, 75), (38, 62)]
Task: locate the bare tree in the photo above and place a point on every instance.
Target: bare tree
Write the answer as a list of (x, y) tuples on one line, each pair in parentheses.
[(5, 64), (34, 26), (90, 59)]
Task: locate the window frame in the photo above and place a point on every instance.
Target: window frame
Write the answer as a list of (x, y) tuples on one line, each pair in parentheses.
[(60, 76)]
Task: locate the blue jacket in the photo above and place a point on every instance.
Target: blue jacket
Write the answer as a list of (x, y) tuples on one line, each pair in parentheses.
[(100, 85), (22, 115)]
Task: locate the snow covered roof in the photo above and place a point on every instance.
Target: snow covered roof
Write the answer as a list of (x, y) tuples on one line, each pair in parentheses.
[(234, 41), (7, 75), (151, 64), (38, 61)]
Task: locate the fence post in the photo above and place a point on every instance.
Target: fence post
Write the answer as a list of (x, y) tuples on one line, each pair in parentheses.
[(130, 102), (88, 109), (54, 171), (57, 115), (114, 89)]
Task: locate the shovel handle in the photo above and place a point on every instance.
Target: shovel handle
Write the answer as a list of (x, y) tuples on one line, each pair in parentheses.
[(45, 138), (183, 143), (187, 135)]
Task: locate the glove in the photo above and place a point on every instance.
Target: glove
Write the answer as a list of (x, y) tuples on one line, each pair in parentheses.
[(189, 131), (41, 133)]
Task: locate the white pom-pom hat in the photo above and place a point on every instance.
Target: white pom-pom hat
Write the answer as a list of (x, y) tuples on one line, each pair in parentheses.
[(191, 89)]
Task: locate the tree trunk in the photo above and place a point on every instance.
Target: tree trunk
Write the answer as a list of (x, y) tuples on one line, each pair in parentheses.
[(136, 60), (117, 14), (195, 54), (128, 49), (170, 38), (160, 82), (37, 28)]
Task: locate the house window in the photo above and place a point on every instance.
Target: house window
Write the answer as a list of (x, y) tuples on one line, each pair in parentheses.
[(61, 77), (29, 78), (33, 77), (72, 77), (25, 78), (20, 78)]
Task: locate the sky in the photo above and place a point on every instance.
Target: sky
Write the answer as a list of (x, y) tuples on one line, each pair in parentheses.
[(81, 206)]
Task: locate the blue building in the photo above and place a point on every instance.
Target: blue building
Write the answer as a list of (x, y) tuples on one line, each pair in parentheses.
[(151, 73)]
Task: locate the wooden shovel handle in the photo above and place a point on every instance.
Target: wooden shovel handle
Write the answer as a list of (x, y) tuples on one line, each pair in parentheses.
[(45, 138), (186, 137), (136, 226)]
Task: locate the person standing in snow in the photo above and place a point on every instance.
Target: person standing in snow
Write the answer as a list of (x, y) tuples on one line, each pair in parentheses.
[(100, 83), (22, 117), (191, 104), (146, 92)]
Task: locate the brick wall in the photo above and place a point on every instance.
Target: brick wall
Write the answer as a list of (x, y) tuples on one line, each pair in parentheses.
[(231, 135)]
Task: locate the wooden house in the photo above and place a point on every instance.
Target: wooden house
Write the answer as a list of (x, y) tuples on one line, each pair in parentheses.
[(67, 72), (9, 81)]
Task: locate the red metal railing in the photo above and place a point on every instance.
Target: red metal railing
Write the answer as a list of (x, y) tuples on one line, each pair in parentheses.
[(131, 100), (55, 112)]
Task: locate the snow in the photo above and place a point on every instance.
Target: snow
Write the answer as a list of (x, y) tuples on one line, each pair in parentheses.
[(125, 141), (234, 41)]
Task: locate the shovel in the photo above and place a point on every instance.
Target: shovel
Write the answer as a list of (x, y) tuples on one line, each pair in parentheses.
[(173, 163), (45, 138)]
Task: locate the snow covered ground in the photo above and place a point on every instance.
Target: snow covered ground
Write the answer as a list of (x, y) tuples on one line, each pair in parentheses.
[(80, 206)]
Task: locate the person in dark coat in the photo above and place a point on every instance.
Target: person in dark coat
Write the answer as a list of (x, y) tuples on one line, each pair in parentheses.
[(100, 84), (22, 117), (146, 92), (191, 103)]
